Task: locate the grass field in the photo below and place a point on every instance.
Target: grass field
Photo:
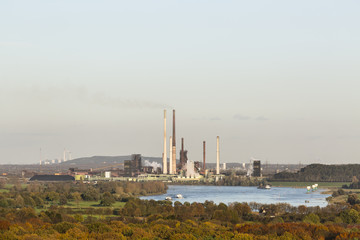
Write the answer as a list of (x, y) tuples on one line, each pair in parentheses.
[(4, 190), (8, 186), (305, 184), (89, 204)]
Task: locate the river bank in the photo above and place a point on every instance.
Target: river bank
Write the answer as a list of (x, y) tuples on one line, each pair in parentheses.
[(326, 185)]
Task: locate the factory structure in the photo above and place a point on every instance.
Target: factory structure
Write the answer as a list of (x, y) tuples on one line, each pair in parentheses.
[(185, 167), (171, 170)]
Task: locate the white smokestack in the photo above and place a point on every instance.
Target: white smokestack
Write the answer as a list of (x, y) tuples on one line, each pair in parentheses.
[(217, 155), (64, 155), (173, 146), (164, 155), (171, 165)]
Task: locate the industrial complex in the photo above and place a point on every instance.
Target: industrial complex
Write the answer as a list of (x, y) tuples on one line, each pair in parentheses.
[(134, 168)]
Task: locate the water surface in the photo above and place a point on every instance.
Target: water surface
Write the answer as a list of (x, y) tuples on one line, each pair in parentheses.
[(229, 194)]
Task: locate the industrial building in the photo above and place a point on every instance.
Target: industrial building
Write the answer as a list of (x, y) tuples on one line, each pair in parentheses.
[(132, 167), (52, 178), (256, 168)]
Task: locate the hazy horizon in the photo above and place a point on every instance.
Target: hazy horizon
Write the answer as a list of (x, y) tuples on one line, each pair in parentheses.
[(277, 81)]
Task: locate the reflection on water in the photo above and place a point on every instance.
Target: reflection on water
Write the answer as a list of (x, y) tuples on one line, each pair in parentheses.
[(227, 194)]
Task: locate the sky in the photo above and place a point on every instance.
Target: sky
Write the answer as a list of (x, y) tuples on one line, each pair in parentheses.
[(276, 80)]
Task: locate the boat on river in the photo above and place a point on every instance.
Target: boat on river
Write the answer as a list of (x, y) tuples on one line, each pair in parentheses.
[(179, 196), (267, 186)]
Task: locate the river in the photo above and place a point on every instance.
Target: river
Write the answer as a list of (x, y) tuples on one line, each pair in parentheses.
[(229, 194)]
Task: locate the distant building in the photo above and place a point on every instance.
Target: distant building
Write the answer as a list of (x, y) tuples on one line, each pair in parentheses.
[(77, 171), (256, 168), (52, 178), (133, 167)]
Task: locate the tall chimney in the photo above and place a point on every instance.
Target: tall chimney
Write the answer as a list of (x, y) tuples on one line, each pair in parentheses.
[(164, 154), (204, 144), (217, 155), (170, 162), (174, 136), (64, 155), (174, 146), (183, 155)]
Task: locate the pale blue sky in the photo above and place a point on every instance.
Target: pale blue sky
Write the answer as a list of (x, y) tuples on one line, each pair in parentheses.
[(276, 80)]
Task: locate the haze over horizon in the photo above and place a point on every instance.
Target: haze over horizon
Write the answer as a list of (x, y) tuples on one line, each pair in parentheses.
[(276, 80)]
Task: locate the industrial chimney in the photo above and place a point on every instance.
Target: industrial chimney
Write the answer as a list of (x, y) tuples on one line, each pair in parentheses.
[(174, 146), (171, 156), (182, 154), (217, 155), (64, 155), (204, 144), (164, 154)]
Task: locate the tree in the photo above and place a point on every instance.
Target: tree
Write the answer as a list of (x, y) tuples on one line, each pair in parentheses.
[(63, 199), (353, 199), (107, 199), (312, 218), (77, 197), (19, 201), (350, 216), (2, 184)]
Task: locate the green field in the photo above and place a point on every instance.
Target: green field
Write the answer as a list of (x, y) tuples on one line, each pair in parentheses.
[(89, 204), (9, 185), (305, 184), (4, 190)]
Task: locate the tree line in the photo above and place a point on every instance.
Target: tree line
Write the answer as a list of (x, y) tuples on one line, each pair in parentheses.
[(40, 195), (149, 219), (36, 211), (321, 173)]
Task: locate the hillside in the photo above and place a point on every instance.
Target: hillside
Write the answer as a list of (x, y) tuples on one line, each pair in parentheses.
[(321, 173)]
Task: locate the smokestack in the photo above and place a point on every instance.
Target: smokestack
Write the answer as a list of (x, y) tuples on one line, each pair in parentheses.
[(64, 155), (170, 163), (182, 155), (40, 156), (174, 136), (217, 155), (164, 154), (204, 144), (174, 146)]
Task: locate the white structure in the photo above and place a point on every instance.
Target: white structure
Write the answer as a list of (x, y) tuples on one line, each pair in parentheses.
[(217, 155), (164, 154), (190, 170), (170, 165), (64, 155), (173, 162), (107, 174), (224, 166), (40, 156)]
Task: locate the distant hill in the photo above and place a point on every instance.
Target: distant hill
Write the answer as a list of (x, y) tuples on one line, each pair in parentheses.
[(321, 173)]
